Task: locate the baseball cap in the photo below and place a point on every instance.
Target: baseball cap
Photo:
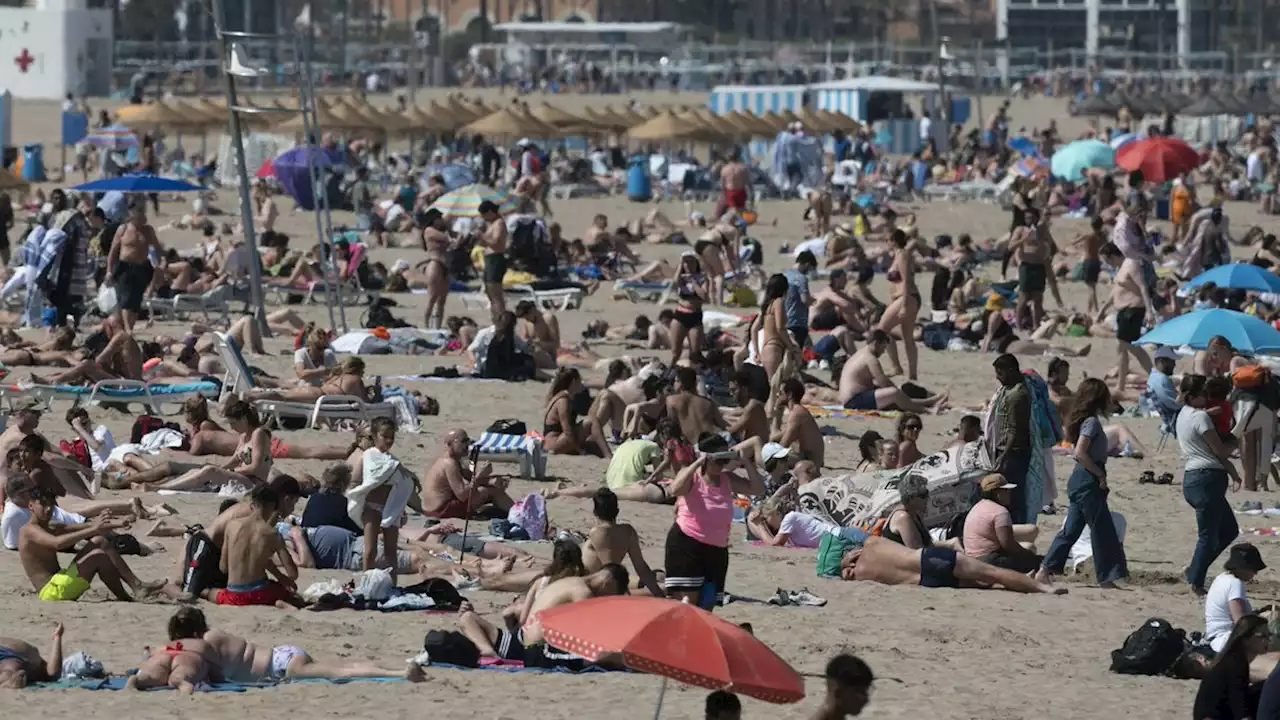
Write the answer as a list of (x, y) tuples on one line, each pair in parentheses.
[(1166, 353), (996, 481), (774, 451)]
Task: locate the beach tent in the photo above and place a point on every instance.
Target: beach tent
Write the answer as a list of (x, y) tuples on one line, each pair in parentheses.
[(294, 173)]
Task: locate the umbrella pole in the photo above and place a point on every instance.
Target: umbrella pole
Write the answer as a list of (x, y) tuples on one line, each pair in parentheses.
[(662, 692)]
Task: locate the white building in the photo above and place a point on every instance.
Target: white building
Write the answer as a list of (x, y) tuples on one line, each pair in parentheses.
[(55, 47), (1170, 27)]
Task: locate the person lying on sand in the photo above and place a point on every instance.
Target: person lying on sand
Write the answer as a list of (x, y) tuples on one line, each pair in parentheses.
[(522, 638), (21, 663), (449, 490), (889, 563), (864, 385), (39, 544), (110, 354), (258, 566), (183, 663)]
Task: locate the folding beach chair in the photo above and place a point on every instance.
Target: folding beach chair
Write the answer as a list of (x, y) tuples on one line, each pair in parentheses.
[(181, 304), (525, 451)]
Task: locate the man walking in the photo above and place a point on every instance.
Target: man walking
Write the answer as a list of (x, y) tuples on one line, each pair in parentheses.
[(1011, 441)]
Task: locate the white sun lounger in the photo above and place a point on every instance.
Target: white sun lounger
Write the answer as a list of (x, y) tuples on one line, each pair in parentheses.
[(153, 396), (526, 451), (214, 301), (559, 299)]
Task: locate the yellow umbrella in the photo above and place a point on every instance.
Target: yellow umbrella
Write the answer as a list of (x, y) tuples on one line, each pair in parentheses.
[(509, 121), (670, 126), (9, 181), (156, 114)]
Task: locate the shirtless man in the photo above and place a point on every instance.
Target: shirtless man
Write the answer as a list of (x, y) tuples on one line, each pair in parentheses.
[(129, 263), (23, 422), (833, 306), (611, 542), (865, 386), (799, 430), (751, 421), (21, 663), (1029, 249), (1132, 301), (890, 563), (542, 331), (449, 490), (39, 544), (258, 566), (601, 243), (494, 242), (735, 184), (119, 357), (696, 414), (1090, 244), (522, 637)]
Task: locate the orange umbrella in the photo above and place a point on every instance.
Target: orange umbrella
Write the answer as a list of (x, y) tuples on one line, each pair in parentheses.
[(674, 640)]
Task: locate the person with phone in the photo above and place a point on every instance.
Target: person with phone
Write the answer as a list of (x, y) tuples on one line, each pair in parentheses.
[(697, 549)]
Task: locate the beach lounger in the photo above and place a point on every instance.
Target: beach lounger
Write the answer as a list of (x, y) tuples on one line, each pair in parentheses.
[(154, 396), (214, 301), (647, 291), (327, 407), (558, 299), (525, 451)]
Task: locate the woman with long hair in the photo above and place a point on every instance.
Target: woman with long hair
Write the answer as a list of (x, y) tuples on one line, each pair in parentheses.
[(250, 464), (693, 289), (907, 434), (1207, 465), (768, 334), (1087, 491), (344, 379), (899, 319), (562, 434), (869, 452), (1224, 692), (435, 240)]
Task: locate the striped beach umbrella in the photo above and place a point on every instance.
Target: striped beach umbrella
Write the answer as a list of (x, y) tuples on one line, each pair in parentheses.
[(465, 201), (115, 137), (1030, 167), (1120, 141)]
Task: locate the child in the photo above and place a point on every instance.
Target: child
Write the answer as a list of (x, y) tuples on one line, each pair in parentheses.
[(1217, 389)]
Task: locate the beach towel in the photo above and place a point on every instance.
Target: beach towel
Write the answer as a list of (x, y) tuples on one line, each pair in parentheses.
[(858, 500), (1046, 432), (381, 469)]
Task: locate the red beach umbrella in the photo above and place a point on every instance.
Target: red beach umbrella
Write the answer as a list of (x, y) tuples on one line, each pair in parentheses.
[(674, 640), (268, 170), (1160, 159)]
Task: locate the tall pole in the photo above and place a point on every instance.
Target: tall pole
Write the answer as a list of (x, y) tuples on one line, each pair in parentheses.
[(982, 83), (942, 80), (246, 202)]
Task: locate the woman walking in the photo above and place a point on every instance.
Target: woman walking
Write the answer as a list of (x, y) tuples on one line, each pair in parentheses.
[(1204, 481), (1087, 491)]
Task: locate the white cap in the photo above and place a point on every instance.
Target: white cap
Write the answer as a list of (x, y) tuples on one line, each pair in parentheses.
[(524, 142), (774, 451)]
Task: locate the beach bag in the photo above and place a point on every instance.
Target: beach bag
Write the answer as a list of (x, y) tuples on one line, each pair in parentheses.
[(507, 426), (379, 315), (374, 585), (1250, 377), (1152, 649), (147, 424), (831, 550), (451, 648), (441, 591), (530, 514), (78, 451), (936, 336)]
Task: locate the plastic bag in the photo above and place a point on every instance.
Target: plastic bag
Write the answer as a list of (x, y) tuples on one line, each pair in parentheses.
[(108, 302), (374, 584)]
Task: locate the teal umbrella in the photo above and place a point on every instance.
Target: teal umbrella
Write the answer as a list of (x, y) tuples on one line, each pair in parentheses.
[(1071, 161)]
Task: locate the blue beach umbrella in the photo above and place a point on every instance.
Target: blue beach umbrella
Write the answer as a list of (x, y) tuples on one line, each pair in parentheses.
[(1238, 276), (1024, 145), (138, 183), (1244, 332), (1071, 161), (456, 175)]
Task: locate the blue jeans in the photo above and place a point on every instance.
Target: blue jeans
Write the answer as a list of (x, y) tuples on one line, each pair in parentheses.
[(1206, 491), (1088, 507), (1015, 471)]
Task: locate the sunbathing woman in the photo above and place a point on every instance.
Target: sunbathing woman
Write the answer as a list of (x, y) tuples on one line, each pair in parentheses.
[(1000, 337), (346, 379), (211, 439), (462, 332), (562, 434), (110, 355), (435, 240), (250, 465)]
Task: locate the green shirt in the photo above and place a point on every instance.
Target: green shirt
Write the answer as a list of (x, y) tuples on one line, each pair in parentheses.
[(630, 462)]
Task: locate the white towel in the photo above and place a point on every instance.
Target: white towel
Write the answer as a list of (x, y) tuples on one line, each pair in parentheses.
[(381, 469)]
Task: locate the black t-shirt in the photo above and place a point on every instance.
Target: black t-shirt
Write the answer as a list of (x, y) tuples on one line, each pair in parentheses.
[(328, 509), (1224, 693)]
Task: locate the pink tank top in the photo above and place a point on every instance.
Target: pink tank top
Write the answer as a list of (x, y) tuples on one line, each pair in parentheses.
[(706, 513)]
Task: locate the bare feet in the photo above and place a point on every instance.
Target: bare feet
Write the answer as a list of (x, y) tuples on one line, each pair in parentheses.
[(414, 673)]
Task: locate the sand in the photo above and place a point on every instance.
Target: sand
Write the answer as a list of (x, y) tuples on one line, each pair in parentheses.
[(941, 654)]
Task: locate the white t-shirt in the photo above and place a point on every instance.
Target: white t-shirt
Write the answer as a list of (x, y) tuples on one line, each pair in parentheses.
[(803, 530), (926, 129), (16, 518), (1191, 426), (1217, 609), (1253, 167), (303, 358), (106, 443)]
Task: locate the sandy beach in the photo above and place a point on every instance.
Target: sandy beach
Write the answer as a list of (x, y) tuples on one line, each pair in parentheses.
[(939, 654)]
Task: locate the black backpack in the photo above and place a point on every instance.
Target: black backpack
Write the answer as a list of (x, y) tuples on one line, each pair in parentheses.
[(1152, 649), (379, 315), (451, 648), (507, 426), (445, 595)]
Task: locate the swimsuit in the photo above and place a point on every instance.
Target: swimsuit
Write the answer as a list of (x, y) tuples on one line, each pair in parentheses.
[(495, 268), (7, 654), (281, 656), (65, 586), (938, 568), (132, 281), (865, 400), (454, 508), (263, 592), (1032, 277)]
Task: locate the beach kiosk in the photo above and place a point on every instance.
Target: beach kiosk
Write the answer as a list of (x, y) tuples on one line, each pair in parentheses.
[(758, 100), (883, 103)]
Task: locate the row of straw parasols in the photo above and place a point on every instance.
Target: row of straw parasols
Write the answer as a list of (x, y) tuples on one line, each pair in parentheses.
[(455, 114), (1158, 103)]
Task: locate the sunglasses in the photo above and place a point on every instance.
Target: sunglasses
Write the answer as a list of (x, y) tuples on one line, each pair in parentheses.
[(912, 427)]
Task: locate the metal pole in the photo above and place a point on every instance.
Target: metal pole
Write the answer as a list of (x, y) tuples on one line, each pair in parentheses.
[(246, 202), (982, 85), (310, 125), (942, 80)]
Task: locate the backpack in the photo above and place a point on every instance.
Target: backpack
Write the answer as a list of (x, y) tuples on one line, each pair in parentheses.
[(507, 426), (77, 450), (1152, 649), (441, 591), (379, 315), (1250, 377), (451, 648), (147, 424)]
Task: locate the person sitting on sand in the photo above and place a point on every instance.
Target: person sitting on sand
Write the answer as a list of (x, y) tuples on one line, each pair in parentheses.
[(39, 544), (21, 663), (249, 466), (1225, 692), (696, 414), (869, 452), (1000, 337), (258, 567), (541, 330), (627, 475), (848, 681), (185, 661), (799, 431), (562, 434), (313, 361), (989, 532), (891, 563), (1226, 603), (749, 420), (522, 640), (18, 488), (611, 542), (865, 386), (449, 490)]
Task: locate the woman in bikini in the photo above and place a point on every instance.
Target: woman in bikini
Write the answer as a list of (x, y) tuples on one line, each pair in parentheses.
[(58, 351), (208, 438), (869, 452), (677, 453), (694, 289), (346, 379), (719, 241), (899, 318), (249, 466), (768, 333), (436, 242), (562, 434), (908, 434)]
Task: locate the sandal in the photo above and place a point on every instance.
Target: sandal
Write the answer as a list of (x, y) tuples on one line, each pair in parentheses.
[(1165, 479), (1147, 477)]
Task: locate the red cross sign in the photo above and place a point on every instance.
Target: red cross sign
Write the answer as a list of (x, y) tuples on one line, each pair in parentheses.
[(24, 61)]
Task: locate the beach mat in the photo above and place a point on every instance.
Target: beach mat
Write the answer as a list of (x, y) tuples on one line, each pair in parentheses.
[(839, 411)]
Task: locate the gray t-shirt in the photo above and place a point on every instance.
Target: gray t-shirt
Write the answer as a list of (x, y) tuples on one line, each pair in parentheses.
[(1092, 429), (797, 289), (1191, 427), (331, 546)]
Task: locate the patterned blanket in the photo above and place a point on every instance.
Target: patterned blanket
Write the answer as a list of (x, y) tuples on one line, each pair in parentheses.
[(853, 500)]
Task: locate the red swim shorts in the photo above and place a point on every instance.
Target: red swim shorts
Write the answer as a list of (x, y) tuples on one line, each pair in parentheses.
[(263, 593), (455, 508), (736, 199)]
